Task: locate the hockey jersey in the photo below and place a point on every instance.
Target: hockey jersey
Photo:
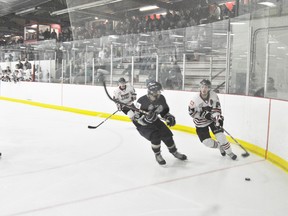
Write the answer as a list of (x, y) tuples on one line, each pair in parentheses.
[(127, 95), (198, 105), (155, 108)]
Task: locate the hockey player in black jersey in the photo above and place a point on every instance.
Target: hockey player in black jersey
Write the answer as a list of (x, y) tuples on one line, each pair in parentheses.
[(151, 127), (205, 109)]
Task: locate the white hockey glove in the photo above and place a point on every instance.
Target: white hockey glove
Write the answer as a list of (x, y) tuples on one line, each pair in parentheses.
[(170, 119), (119, 107), (141, 120), (216, 116), (151, 117)]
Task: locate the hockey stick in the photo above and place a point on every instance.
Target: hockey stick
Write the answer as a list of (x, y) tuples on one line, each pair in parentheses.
[(94, 127), (246, 154), (123, 104), (126, 105)]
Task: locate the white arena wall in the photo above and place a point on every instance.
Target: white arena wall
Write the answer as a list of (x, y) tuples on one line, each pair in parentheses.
[(259, 124)]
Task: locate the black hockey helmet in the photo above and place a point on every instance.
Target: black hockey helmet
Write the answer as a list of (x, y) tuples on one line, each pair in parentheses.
[(206, 82), (122, 80), (154, 87)]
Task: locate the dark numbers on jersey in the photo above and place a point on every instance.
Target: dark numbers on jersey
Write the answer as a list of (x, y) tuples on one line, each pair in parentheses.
[(125, 96)]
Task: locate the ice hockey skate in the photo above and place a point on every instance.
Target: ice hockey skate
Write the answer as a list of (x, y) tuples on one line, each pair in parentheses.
[(179, 155), (232, 156), (160, 159), (223, 153)]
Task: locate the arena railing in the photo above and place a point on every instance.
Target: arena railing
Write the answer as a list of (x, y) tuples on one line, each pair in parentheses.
[(232, 53)]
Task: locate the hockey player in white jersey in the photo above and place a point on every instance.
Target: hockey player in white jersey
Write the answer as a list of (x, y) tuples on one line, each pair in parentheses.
[(125, 93), (205, 109), (151, 127)]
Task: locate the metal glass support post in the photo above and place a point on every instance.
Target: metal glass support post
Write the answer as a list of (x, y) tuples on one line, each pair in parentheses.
[(93, 70), (249, 64), (210, 68), (266, 66), (49, 72), (228, 57), (85, 65), (56, 64), (70, 71), (132, 71), (157, 68), (62, 71), (111, 64), (184, 70)]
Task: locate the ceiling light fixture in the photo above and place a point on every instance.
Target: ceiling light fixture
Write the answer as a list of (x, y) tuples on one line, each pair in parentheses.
[(177, 36), (237, 23), (268, 4), (84, 6), (145, 35), (23, 12), (147, 8), (218, 33)]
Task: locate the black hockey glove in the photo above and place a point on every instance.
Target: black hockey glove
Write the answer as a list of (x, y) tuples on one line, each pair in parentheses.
[(206, 114), (170, 119), (191, 111), (221, 120), (134, 97)]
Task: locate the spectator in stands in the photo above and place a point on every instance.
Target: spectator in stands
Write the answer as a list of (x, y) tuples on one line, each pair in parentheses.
[(102, 56), (20, 65), (54, 34), (17, 74), (151, 77), (46, 34), (8, 70), (127, 71), (100, 75), (10, 57), (215, 13), (27, 64), (271, 91), (6, 75), (164, 24), (164, 74), (27, 73), (175, 78), (80, 77)]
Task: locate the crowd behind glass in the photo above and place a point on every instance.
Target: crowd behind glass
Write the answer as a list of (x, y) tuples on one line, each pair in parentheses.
[(159, 47)]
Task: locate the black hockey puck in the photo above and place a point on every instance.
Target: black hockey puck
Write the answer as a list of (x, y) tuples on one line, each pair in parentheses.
[(247, 179)]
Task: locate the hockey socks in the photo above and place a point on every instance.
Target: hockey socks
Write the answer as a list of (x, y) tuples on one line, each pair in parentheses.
[(227, 149)]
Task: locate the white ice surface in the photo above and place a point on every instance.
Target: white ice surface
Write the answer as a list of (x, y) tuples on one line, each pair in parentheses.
[(53, 165)]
